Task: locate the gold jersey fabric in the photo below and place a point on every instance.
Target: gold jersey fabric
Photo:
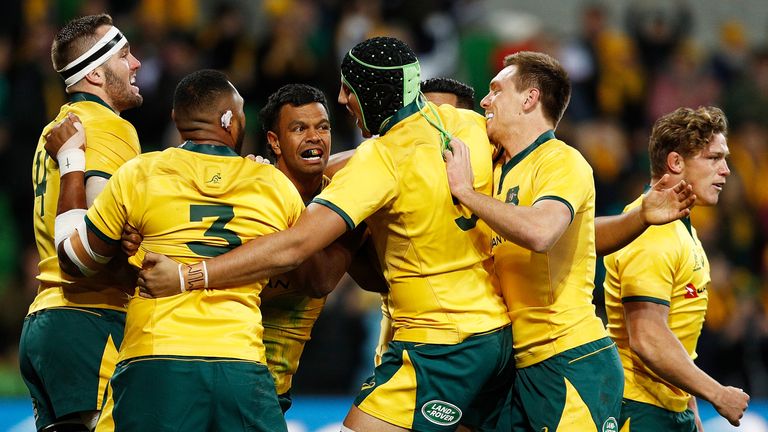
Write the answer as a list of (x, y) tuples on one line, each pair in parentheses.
[(288, 315), (111, 141), (665, 265), (434, 253), (549, 295), (191, 203)]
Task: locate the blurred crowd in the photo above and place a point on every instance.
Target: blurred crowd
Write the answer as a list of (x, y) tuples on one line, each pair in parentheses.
[(624, 77)]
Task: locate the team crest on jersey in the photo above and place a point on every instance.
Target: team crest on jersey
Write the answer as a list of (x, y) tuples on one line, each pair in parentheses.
[(212, 176), (610, 425), (512, 196), (690, 291), (441, 413)]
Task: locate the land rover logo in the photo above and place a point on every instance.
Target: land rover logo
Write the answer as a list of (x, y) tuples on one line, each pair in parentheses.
[(610, 425), (441, 413)]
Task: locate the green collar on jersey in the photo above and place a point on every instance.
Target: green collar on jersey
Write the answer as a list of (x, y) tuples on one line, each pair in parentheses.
[(546, 136), (401, 114), (209, 149), (87, 97)]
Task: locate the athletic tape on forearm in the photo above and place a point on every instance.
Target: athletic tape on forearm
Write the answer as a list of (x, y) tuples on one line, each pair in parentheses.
[(71, 160), (70, 251), (82, 230), (65, 224), (193, 277)]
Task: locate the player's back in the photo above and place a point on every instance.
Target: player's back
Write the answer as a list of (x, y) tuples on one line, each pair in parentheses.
[(435, 254), (111, 141), (191, 203)]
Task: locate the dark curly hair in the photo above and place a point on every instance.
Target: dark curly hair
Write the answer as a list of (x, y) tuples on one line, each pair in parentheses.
[(383, 73)]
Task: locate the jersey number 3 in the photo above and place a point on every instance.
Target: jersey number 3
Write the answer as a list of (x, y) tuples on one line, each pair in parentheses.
[(223, 215)]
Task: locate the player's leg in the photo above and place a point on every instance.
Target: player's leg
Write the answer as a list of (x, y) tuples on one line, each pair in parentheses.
[(67, 356)]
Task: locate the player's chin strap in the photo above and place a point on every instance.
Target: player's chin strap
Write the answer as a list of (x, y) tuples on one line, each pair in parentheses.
[(444, 134)]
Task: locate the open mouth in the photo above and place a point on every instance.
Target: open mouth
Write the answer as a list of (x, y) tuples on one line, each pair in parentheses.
[(718, 186), (488, 116), (312, 154)]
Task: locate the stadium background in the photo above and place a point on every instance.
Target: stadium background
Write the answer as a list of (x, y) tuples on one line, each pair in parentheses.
[(630, 61)]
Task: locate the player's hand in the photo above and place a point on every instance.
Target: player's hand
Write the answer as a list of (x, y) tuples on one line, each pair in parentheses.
[(130, 240), (258, 159), (731, 403), (159, 276), (67, 134), (663, 204), (459, 168)]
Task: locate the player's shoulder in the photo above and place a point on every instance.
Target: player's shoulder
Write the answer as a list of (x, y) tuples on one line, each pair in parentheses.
[(559, 152)]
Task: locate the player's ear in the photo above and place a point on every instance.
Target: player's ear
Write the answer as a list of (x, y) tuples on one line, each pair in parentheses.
[(96, 76), (675, 162), (274, 143)]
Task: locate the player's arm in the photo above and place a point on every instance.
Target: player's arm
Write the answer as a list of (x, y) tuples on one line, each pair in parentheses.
[(536, 228), (652, 340), (65, 142), (365, 268), (660, 205), (260, 258), (337, 161)]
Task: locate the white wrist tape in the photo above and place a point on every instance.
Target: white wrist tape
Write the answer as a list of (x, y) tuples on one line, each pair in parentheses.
[(71, 160), (181, 279), (65, 224)]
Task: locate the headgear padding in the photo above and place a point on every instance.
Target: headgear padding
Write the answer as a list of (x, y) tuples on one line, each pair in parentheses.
[(384, 75)]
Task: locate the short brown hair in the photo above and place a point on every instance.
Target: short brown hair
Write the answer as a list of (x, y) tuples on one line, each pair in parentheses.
[(75, 38), (539, 70), (685, 131)]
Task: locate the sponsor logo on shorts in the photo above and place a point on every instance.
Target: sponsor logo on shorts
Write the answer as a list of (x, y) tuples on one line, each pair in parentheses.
[(441, 413), (610, 425)]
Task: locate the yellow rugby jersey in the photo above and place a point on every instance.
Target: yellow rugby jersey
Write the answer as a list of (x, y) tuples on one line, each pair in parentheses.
[(434, 253), (549, 295), (111, 141), (665, 265), (191, 203), (288, 316)]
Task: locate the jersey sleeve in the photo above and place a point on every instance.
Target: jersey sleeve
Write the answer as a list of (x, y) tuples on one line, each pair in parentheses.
[(647, 266), (364, 185), (108, 214), (564, 176), (108, 149)]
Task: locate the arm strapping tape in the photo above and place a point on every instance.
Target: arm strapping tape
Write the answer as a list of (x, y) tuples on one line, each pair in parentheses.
[(65, 224)]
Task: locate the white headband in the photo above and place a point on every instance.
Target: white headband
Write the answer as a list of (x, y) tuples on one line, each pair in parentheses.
[(101, 51)]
